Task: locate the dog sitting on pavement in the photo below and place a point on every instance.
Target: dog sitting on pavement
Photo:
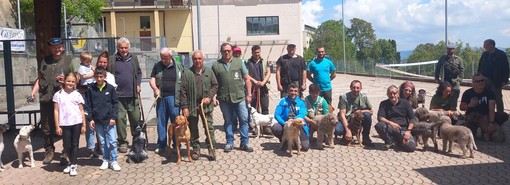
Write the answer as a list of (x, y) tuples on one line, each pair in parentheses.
[(456, 133), (291, 135), (356, 127), (180, 129), (23, 144), (326, 128), (259, 120), (497, 135), (3, 127), (138, 152)]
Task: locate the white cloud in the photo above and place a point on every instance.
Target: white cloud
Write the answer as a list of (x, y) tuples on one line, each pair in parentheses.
[(312, 11), (412, 22)]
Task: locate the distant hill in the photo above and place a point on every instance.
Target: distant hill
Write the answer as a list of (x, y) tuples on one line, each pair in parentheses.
[(405, 54)]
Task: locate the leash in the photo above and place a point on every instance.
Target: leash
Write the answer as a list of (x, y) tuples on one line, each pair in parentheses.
[(28, 102), (206, 125)]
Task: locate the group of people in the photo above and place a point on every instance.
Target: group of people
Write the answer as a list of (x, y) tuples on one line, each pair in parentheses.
[(111, 90)]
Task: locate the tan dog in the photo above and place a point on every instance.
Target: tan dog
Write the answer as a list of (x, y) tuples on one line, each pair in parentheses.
[(291, 134), (326, 128), (182, 135), (355, 127), (460, 134)]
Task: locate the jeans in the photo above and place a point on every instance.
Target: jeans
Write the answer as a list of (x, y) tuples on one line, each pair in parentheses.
[(89, 137), (166, 108), (71, 139), (366, 124), (230, 112), (390, 135), (108, 139)]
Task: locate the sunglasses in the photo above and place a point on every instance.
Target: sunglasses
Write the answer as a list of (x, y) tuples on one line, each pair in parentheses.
[(479, 81)]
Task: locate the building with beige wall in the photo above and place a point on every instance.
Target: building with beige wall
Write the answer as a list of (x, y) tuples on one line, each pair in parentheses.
[(272, 24)]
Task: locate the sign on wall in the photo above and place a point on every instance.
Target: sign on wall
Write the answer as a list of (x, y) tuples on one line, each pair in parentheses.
[(13, 34)]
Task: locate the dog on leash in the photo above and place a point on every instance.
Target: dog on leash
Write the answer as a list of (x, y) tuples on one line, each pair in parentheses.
[(23, 144), (3, 127), (259, 120), (456, 133), (291, 134), (356, 127), (138, 152), (326, 128), (180, 129)]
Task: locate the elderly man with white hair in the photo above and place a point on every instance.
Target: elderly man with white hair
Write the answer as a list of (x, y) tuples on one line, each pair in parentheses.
[(128, 76), (165, 82)]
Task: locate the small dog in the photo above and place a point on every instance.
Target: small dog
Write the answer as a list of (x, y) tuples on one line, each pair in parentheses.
[(23, 144), (326, 128), (258, 120), (456, 133), (356, 127), (3, 127), (138, 151), (480, 120), (423, 130), (182, 135), (291, 134)]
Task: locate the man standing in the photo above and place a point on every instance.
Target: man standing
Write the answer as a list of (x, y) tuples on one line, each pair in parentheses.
[(290, 69), (494, 66), (165, 82), (49, 80), (351, 102), (230, 73), (480, 100), (396, 120), (323, 72), (259, 76), (450, 68), (126, 69), (198, 86)]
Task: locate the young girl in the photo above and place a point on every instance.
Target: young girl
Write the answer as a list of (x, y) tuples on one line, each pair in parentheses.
[(69, 119)]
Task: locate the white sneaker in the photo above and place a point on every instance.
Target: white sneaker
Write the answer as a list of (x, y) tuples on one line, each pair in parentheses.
[(115, 166), (104, 166), (74, 171), (67, 169)]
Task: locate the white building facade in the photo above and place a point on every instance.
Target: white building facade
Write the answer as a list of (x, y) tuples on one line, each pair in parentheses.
[(272, 24)]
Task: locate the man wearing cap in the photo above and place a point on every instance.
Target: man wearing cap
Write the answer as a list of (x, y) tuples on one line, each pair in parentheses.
[(450, 68), (290, 69), (127, 72), (165, 82), (494, 66), (49, 80)]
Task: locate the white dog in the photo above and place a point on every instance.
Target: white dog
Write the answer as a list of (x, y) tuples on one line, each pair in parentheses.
[(3, 128), (258, 120), (23, 144)]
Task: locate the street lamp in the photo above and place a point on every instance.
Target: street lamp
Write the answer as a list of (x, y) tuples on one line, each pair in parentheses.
[(123, 25)]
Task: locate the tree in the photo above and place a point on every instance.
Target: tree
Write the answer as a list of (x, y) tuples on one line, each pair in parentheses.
[(364, 38), (387, 51), (89, 11), (329, 35)]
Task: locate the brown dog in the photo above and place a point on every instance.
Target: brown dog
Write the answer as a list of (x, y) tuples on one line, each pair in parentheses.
[(291, 133), (182, 135), (326, 128), (355, 127)]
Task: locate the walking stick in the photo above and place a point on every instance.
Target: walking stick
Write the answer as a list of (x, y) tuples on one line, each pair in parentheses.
[(204, 119), (258, 100)]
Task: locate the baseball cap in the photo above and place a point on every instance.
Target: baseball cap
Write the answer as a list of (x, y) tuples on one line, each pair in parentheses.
[(54, 41), (291, 44), (450, 46), (237, 49)]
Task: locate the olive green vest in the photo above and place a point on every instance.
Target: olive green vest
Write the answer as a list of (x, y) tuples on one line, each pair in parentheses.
[(206, 86), (179, 68), (48, 71), (230, 82)]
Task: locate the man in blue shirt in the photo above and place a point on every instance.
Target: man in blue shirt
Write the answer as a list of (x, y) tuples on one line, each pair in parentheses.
[(321, 71)]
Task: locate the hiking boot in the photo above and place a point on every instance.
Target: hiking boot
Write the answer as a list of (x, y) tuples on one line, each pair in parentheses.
[(64, 160), (195, 154), (246, 148), (48, 157), (212, 154), (368, 143), (228, 148), (123, 150)]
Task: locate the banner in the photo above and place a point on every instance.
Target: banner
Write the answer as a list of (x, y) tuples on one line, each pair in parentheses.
[(13, 34)]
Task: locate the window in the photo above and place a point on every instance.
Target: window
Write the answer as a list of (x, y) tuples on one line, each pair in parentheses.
[(145, 22), (262, 25)]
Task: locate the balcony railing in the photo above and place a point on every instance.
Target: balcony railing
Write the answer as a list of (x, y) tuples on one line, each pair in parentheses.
[(150, 3)]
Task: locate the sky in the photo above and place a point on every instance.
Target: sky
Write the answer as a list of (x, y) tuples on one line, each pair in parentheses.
[(414, 22)]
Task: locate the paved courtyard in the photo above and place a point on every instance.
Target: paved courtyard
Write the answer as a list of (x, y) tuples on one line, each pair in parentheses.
[(268, 165)]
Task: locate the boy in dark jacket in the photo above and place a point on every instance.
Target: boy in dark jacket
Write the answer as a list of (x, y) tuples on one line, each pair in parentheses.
[(103, 111)]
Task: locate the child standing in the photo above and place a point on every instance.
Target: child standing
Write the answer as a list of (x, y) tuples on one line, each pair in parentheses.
[(69, 119), (103, 111)]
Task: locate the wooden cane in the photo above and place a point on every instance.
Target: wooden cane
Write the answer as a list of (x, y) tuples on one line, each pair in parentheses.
[(206, 125)]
